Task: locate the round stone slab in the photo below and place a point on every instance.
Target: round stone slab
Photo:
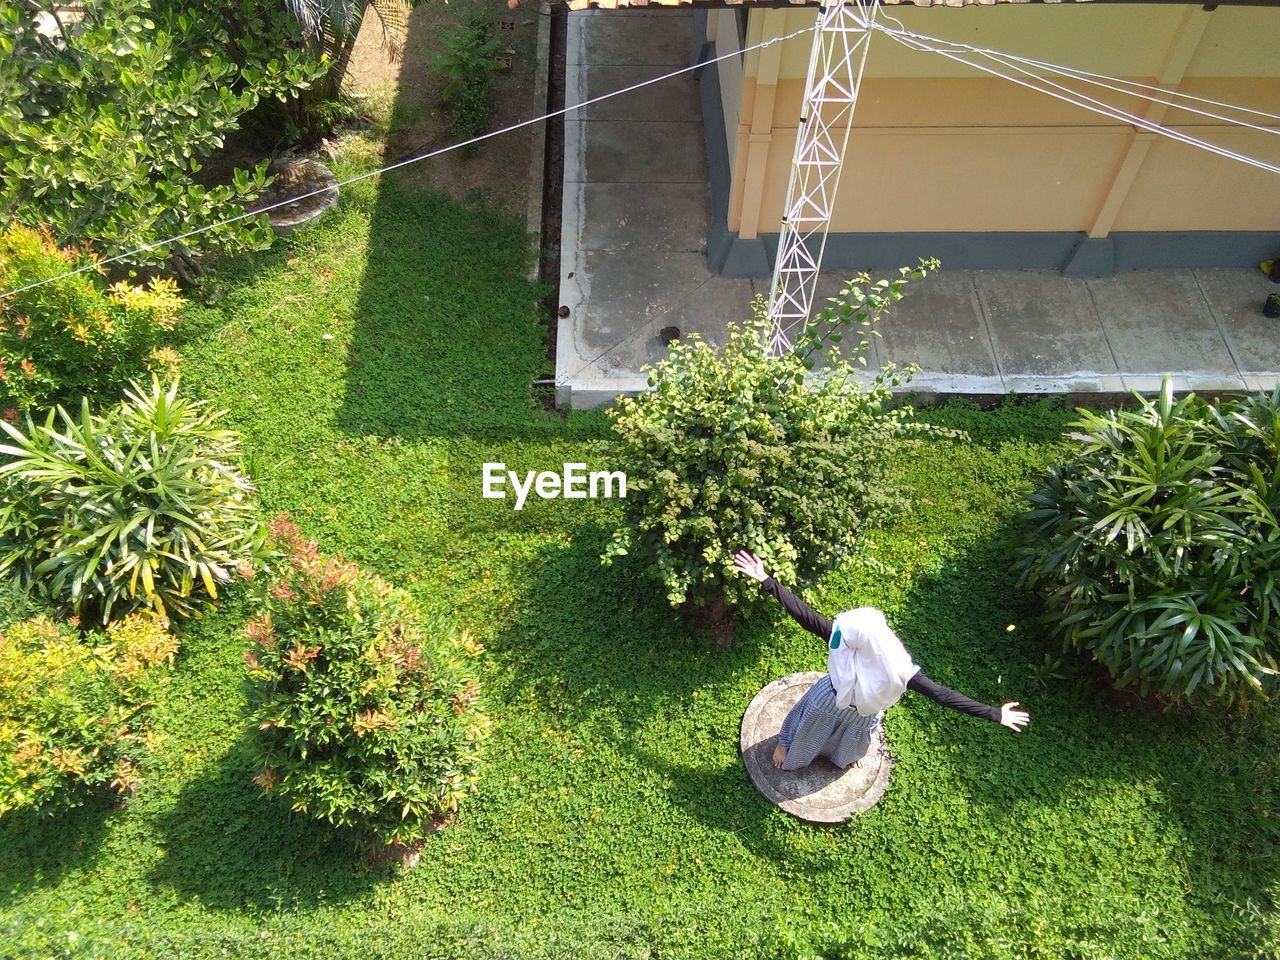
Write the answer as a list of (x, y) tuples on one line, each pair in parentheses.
[(821, 792), (297, 178)]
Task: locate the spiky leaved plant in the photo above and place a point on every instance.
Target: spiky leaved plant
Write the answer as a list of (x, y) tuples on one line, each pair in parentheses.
[(1157, 549), (141, 506)]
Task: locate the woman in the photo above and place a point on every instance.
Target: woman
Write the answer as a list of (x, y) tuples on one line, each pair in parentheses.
[(867, 671)]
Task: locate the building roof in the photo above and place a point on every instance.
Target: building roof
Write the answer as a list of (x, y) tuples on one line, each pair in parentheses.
[(623, 4)]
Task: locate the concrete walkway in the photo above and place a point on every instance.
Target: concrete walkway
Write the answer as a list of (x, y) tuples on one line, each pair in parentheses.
[(633, 261)]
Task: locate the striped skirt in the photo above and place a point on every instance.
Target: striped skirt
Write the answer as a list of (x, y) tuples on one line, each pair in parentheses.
[(816, 727)]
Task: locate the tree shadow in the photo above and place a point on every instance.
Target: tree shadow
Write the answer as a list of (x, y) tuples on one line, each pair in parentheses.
[(448, 340), (231, 848), (39, 850), (584, 639), (1181, 791), (602, 651)]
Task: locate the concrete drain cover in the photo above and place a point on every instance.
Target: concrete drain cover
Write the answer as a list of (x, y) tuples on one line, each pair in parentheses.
[(297, 178), (822, 792)]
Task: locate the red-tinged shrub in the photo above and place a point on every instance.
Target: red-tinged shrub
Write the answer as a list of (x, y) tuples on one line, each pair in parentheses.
[(365, 710)]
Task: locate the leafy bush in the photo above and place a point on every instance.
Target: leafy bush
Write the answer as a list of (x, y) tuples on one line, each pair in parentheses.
[(72, 710), (467, 66), (134, 98), (74, 336), (731, 449), (17, 604), (365, 710), (1156, 545), (140, 506)]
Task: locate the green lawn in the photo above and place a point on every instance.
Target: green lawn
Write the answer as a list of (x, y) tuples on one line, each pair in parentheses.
[(613, 817)]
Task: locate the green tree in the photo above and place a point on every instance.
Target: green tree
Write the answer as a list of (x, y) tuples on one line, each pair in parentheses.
[(732, 449), (105, 122), (320, 32)]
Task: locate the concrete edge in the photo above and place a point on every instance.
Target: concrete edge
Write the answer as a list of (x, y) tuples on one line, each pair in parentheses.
[(570, 294), (538, 150), (1083, 389)]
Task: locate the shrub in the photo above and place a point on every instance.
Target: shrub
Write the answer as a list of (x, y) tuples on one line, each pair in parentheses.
[(1156, 545), (73, 710), (74, 336), (365, 710), (17, 604), (141, 506), (103, 127), (731, 449), (467, 66)]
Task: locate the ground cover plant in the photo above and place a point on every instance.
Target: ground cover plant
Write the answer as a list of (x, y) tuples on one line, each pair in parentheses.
[(372, 365), (1156, 547)]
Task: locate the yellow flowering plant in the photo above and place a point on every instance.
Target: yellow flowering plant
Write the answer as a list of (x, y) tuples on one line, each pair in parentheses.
[(76, 335), (73, 709)]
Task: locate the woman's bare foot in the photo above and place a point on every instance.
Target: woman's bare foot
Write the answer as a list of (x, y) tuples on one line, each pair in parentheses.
[(779, 756)]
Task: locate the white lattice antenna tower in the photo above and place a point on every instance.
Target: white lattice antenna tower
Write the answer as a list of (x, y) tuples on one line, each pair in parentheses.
[(836, 63)]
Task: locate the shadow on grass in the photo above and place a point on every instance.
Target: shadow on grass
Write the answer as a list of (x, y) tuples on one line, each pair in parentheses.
[(38, 850), (602, 651), (232, 848), (602, 644), (1095, 778), (447, 339)]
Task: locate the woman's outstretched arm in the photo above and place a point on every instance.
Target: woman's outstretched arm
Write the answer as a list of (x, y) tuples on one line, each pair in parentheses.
[(752, 566), (1007, 714)]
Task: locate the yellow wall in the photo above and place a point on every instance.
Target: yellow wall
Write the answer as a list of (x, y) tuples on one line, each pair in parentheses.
[(940, 146)]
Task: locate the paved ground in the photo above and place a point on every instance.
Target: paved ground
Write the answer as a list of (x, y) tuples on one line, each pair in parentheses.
[(633, 261)]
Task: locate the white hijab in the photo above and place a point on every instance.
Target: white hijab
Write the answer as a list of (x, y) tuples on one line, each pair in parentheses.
[(868, 664)]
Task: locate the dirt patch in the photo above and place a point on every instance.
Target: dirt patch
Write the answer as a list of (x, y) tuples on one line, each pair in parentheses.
[(714, 618), (409, 92)]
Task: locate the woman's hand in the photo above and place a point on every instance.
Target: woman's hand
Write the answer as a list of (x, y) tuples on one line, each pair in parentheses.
[(1015, 720), (749, 565)]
